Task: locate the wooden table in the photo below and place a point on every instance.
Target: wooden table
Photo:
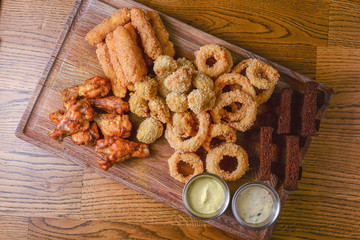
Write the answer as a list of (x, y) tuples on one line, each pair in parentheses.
[(45, 197)]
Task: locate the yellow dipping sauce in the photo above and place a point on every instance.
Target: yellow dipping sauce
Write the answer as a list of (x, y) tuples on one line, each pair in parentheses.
[(255, 204), (206, 195)]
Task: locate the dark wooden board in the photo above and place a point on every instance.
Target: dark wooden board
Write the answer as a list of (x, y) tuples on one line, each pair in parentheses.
[(74, 60)]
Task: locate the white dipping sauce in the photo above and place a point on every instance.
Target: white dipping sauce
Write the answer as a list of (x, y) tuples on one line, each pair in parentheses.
[(255, 204)]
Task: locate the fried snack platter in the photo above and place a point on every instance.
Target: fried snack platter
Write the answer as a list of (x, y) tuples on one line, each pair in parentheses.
[(74, 60)]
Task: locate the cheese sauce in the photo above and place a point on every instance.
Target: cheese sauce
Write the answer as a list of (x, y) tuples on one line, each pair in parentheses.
[(206, 195), (255, 204)]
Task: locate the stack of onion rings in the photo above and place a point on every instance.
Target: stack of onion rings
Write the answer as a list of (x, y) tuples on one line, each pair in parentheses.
[(191, 158), (215, 156), (222, 56), (194, 143), (246, 118), (261, 75), (221, 131)]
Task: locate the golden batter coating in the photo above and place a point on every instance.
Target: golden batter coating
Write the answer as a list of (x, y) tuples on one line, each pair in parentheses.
[(159, 110), (99, 32), (147, 88), (147, 34), (177, 102), (138, 105), (149, 130)]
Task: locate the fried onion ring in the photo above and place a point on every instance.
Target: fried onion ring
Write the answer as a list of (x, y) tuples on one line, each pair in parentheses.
[(242, 66), (222, 56), (215, 156), (248, 102), (190, 158), (191, 144), (221, 131), (262, 75), (231, 79)]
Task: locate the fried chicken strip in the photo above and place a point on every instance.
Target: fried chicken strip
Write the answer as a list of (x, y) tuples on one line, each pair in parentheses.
[(98, 33), (129, 55), (161, 33), (114, 125), (117, 150), (76, 119), (103, 55), (147, 34), (110, 104)]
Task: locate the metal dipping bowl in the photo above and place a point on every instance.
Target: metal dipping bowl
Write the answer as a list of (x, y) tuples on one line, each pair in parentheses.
[(275, 209), (223, 206)]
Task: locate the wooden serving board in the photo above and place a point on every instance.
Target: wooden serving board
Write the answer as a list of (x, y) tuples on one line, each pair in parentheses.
[(74, 60)]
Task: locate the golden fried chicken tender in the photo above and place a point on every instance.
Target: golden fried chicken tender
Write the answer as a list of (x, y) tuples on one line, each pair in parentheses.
[(177, 102), (149, 130), (184, 124), (76, 119), (183, 62), (161, 33), (164, 66), (147, 34), (129, 55), (114, 125), (180, 80), (99, 32), (138, 105), (110, 104), (113, 150), (203, 82), (147, 88), (104, 58), (159, 110), (88, 137), (200, 100)]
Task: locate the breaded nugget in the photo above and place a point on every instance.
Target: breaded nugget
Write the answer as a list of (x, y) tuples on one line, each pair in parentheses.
[(164, 66), (98, 33), (179, 81), (177, 102), (121, 79), (147, 34), (129, 55), (161, 33), (149, 130), (103, 55), (159, 110), (138, 105), (147, 88)]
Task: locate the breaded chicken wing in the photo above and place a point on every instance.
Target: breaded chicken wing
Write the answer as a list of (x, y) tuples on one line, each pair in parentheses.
[(56, 116), (88, 137), (92, 88), (117, 150), (114, 125), (76, 119), (110, 104)]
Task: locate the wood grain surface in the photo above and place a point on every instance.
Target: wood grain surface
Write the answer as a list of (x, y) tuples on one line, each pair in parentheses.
[(46, 197)]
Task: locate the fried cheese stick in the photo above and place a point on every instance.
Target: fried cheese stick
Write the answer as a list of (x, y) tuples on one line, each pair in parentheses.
[(136, 38), (161, 33), (129, 55), (147, 34), (98, 33), (110, 43), (103, 55)]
